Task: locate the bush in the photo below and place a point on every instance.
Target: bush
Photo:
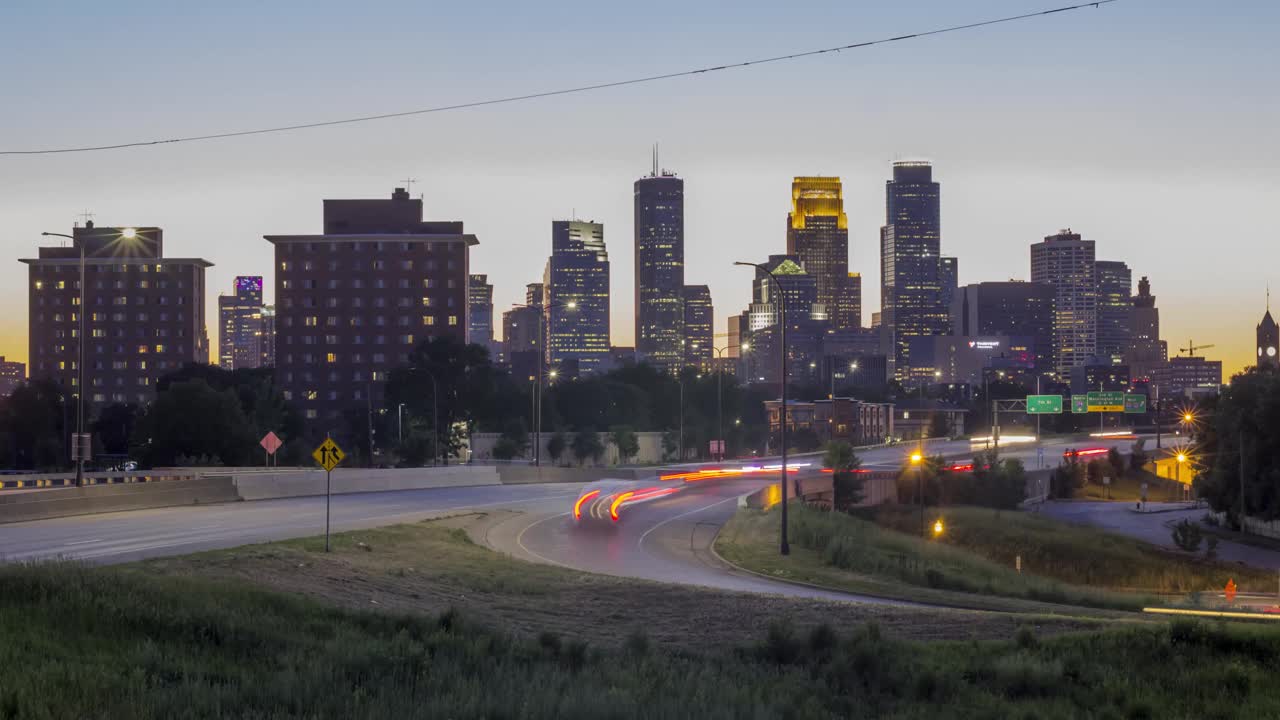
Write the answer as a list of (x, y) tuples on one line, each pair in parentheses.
[(1187, 536)]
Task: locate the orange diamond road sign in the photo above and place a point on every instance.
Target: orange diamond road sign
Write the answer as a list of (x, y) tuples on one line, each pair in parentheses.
[(271, 443), (1230, 591)]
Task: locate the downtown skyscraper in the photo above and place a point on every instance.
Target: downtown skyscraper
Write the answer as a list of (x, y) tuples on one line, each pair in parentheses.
[(241, 335), (818, 235), (659, 269), (1115, 306), (576, 307), (1067, 262), (911, 268)]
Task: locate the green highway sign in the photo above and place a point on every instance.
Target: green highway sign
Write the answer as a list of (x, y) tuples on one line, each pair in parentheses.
[(1044, 404), (1136, 404), (1079, 404), (1108, 401)]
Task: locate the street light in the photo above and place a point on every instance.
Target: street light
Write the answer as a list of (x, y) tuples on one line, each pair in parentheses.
[(937, 528), (719, 352), (542, 354), (783, 546), (916, 460), (79, 441)]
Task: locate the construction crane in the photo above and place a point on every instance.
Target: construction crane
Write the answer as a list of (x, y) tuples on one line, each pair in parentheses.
[(1191, 348)]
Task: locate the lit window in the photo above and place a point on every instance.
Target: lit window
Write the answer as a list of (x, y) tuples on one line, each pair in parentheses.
[(331, 357), (428, 319), (142, 349), (453, 319), (159, 348)]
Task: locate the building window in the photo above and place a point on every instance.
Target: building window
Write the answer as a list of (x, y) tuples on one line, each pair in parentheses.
[(428, 319), (311, 414), (331, 358), (453, 319)]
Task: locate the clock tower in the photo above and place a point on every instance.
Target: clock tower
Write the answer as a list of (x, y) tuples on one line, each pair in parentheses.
[(1268, 340)]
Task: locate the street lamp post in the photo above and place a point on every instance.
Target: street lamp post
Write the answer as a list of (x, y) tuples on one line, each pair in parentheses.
[(784, 547), (78, 442), (542, 354), (720, 393), (916, 459), (400, 423)]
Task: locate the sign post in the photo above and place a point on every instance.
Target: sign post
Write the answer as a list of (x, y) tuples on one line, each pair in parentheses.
[(327, 456), (270, 443)]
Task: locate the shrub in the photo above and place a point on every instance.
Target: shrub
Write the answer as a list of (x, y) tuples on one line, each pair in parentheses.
[(1187, 536)]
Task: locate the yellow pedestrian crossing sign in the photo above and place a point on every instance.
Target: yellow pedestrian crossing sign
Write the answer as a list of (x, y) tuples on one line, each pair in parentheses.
[(328, 455)]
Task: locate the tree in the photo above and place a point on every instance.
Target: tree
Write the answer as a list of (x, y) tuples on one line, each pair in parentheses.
[(624, 438), (464, 378), (114, 427), (586, 444), (37, 419), (670, 444), (1095, 471), (1238, 438), (190, 419), (513, 443), (1117, 462), (846, 482), (939, 425), (1137, 455), (1187, 535), (926, 474), (556, 446), (1066, 479)]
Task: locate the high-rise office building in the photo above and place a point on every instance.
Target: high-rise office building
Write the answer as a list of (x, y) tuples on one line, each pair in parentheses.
[(1115, 306), (1187, 377), (1008, 309), (1268, 337), (576, 291), (699, 327), (480, 320), (948, 279), (911, 295), (354, 301), (12, 374), (1066, 262), (268, 336), (806, 322), (144, 313), (659, 269), (1146, 350), (818, 237), (240, 325)]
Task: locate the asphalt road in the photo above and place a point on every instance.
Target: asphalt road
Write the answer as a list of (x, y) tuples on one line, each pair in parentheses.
[(668, 539)]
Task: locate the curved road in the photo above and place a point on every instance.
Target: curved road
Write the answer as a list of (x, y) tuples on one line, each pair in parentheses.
[(668, 539)]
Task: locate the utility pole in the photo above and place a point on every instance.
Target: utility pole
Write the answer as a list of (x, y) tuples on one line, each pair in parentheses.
[(368, 397), (1156, 388), (1243, 527), (1037, 414)]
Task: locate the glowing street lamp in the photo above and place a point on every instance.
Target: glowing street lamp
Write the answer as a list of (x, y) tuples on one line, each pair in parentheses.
[(937, 527)]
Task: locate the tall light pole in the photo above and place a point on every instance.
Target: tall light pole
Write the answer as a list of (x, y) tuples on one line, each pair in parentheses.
[(784, 547), (719, 352), (542, 355), (78, 442), (400, 424)]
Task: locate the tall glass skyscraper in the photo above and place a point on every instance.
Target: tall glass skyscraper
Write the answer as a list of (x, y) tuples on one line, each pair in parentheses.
[(577, 274), (1066, 262), (699, 327), (911, 290), (659, 269), (480, 310), (1115, 305), (818, 235), (240, 331)]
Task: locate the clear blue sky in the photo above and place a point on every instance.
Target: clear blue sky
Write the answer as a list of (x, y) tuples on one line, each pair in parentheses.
[(1148, 126)]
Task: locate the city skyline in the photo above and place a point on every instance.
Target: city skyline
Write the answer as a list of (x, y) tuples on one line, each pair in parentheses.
[(1118, 181)]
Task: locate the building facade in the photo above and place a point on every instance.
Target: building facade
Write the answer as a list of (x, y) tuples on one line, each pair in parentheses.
[(948, 279), (1268, 338), (480, 303), (268, 336), (1008, 309), (1146, 349), (12, 374), (818, 237), (963, 359), (240, 330), (1067, 262), (659, 269), (576, 292), (354, 301), (1115, 309), (145, 313), (911, 293), (1187, 376), (699, 328)]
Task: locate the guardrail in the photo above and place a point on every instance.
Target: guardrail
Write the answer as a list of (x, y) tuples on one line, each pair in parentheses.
[(63, 480)]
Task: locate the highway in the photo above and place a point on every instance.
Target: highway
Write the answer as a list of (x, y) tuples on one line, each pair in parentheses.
[(668, 539)]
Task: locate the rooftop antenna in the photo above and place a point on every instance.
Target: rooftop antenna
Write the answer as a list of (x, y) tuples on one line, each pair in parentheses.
[(408, 183), (655, 160), (87, 217)]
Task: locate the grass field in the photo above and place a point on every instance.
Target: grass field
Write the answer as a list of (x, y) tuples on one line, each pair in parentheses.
[(1077, 555), (167, 642)]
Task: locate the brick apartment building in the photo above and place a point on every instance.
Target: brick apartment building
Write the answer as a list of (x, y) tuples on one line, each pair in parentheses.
[(353, 302), (145, 313)]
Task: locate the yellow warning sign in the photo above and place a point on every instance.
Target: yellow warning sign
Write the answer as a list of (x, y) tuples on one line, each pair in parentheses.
[(328, 455)]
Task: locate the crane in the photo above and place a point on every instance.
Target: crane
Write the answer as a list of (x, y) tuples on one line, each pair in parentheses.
[(1192, 347)]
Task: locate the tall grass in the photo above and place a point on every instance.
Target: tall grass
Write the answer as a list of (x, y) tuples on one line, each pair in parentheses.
[(1077, 554), (102, 643), (859, 545)]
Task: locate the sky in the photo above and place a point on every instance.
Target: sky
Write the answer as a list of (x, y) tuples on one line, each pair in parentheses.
[(1151, 127)]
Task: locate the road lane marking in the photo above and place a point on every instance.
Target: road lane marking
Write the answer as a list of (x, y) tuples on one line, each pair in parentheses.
[(527, 528), (84, 542), (640, 542)]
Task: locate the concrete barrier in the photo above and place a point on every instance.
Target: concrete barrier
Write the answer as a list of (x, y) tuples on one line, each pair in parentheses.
[(524, 474), (61, 502), (259, 485)]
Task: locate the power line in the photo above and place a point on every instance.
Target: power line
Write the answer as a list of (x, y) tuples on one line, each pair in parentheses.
[(564, 91)]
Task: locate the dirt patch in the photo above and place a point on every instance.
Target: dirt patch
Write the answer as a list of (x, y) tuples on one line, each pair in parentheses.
[(435, 565)]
